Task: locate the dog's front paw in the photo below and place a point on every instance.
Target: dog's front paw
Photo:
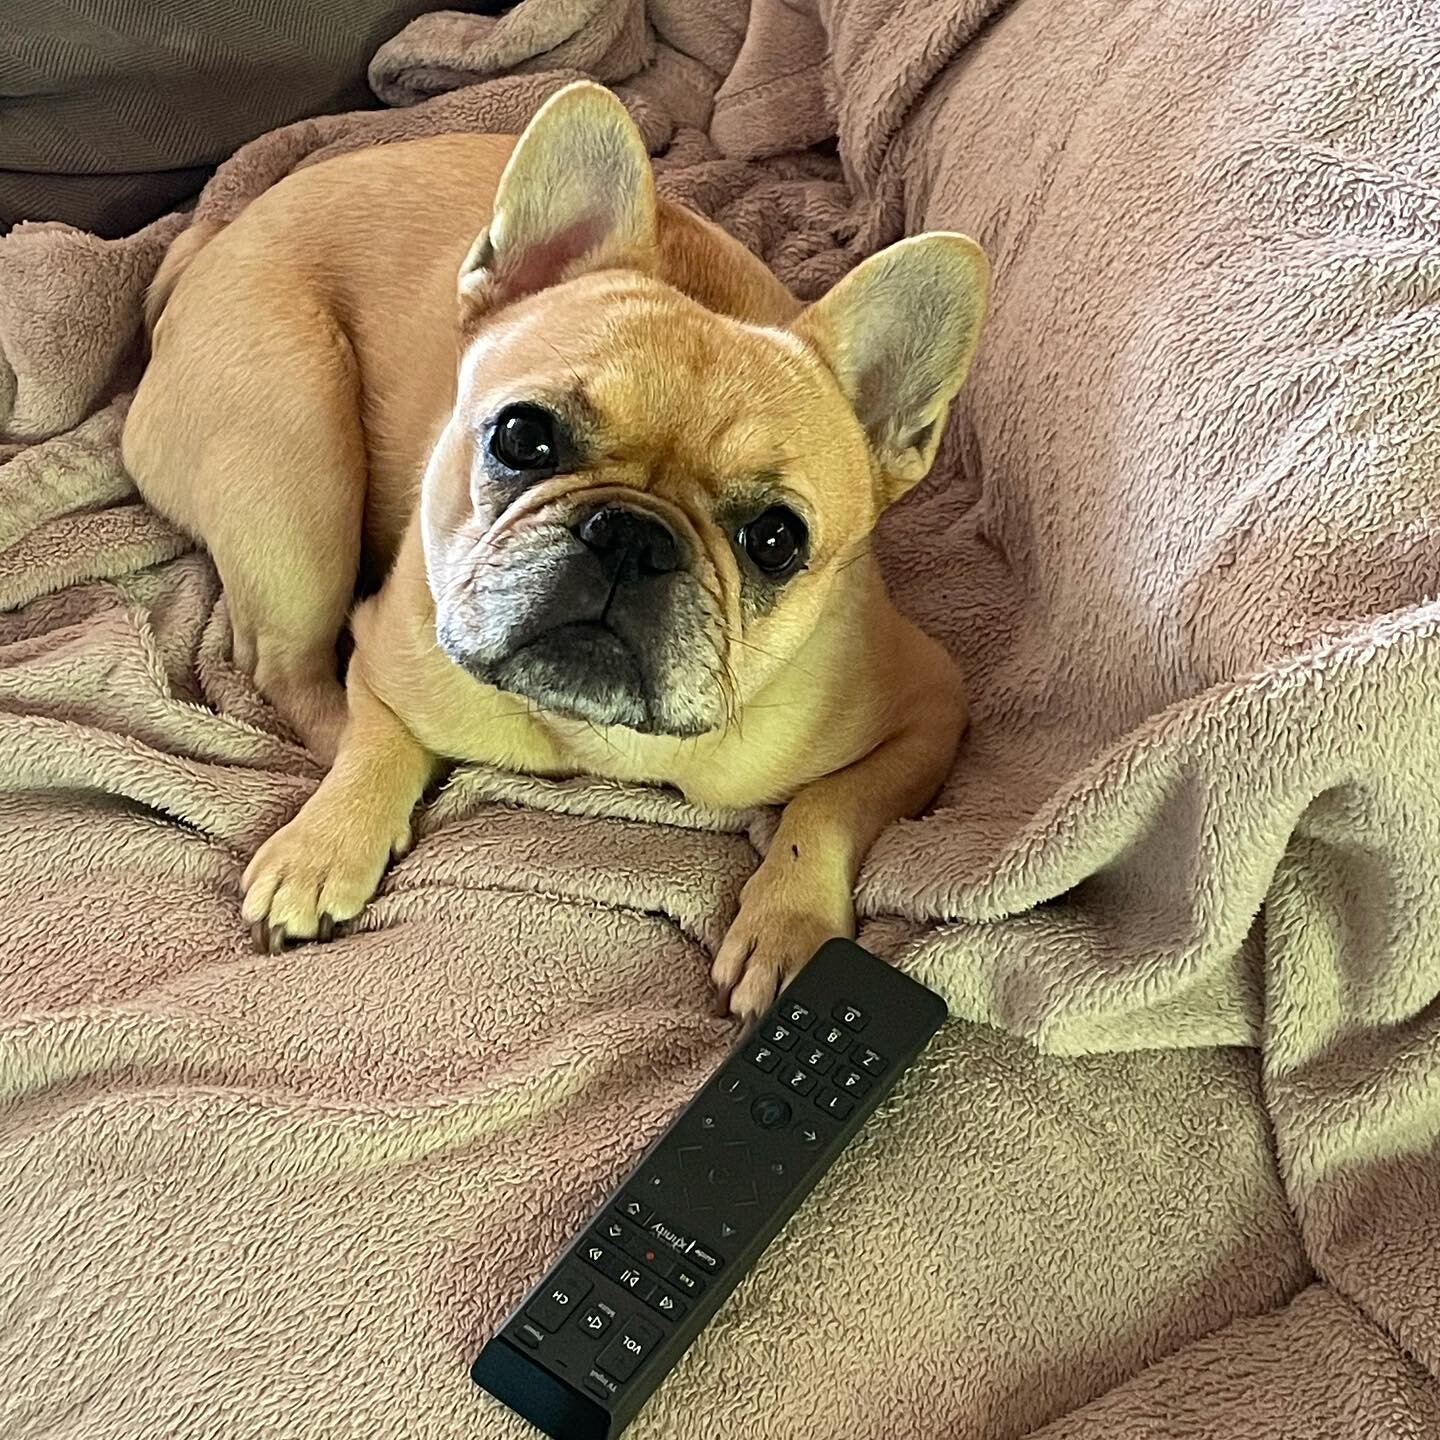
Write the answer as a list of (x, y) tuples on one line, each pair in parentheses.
[(787, 911), (314, 873)]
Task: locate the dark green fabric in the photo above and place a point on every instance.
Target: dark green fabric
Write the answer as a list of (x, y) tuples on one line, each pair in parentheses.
[(114, 111)]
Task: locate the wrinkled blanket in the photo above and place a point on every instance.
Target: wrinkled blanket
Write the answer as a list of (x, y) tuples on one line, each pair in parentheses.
[(1173, 1168)]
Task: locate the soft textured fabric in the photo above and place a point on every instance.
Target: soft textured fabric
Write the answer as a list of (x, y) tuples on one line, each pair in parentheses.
[(1172, 1170)]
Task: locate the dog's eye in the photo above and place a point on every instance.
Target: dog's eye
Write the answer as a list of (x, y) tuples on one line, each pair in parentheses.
[(524, 439), (775, 541)]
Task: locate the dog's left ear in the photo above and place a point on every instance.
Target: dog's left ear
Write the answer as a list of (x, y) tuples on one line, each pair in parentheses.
[(899, 333), (577, 194)]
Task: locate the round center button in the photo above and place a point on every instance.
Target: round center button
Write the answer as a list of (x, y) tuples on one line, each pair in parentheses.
[(770, 1112)]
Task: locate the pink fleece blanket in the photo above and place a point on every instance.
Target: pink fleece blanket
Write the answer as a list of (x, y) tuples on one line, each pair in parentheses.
[(1173, 1169)]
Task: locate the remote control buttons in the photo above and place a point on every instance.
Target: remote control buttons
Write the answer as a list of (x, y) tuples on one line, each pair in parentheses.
[(530, 1335), (733, 1087), (559, 1300), (810, 1136), (592, 1252), (800, 1081), (781, 1036), (770, 1112), (851, 1082), (637, 1246), (765, 1058), (797, 1015), (597, 1319), (621, 1358), (834, 1037), (617, 1232), (850, 1017), (601, 1385), (705, 1258), (816, 1059), (635, 1210), (665, 1302), (836, 1104), (718, 1178), (685, 1281), (868, 1059), (678, 1244)]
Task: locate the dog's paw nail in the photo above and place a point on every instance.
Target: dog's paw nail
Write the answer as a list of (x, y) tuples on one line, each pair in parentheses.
[(276, 939), (326, 929), (259, 943)]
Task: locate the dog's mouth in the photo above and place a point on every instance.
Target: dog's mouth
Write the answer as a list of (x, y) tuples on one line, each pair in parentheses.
[(581, 669), (597, 616), (586, 669)]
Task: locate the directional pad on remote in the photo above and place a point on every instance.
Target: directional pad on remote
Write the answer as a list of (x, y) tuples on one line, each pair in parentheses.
[(719, 1177)]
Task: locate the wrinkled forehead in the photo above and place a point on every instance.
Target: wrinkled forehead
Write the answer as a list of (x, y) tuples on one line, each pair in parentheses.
[(642, 375)]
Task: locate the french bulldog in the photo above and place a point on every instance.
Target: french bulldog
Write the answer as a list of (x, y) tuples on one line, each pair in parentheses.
[(605, 488)]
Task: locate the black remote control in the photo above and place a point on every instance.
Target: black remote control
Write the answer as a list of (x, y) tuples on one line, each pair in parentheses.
[(586, 1348)]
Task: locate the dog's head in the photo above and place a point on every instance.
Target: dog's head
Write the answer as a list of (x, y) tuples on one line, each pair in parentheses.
[(639, 507)]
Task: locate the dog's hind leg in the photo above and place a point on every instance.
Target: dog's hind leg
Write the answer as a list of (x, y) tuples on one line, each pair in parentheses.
[(256, 445)]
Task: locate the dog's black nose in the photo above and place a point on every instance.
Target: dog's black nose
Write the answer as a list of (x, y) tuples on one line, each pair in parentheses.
[(629, 543)]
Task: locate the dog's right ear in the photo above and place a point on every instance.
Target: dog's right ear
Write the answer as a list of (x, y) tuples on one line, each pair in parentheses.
[(577, 194)]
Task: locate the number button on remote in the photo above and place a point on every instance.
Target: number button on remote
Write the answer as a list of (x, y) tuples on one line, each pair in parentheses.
[(621, 1358), (832, 1102), (781, 1036), (797, 1015), (852, 1082), (766, 1058), (559, 1301), (868, 1059), (800, 1081), (850, 1017), (834, 1036), (817, 1059)]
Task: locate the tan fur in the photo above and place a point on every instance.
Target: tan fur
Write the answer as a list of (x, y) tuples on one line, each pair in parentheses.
[(176, 262), (304, 415)]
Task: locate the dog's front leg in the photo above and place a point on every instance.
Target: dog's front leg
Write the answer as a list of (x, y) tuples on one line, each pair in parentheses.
[(325, 864), (803, 892)]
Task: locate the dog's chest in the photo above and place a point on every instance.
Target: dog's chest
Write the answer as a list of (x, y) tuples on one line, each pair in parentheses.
[(733, 770)]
